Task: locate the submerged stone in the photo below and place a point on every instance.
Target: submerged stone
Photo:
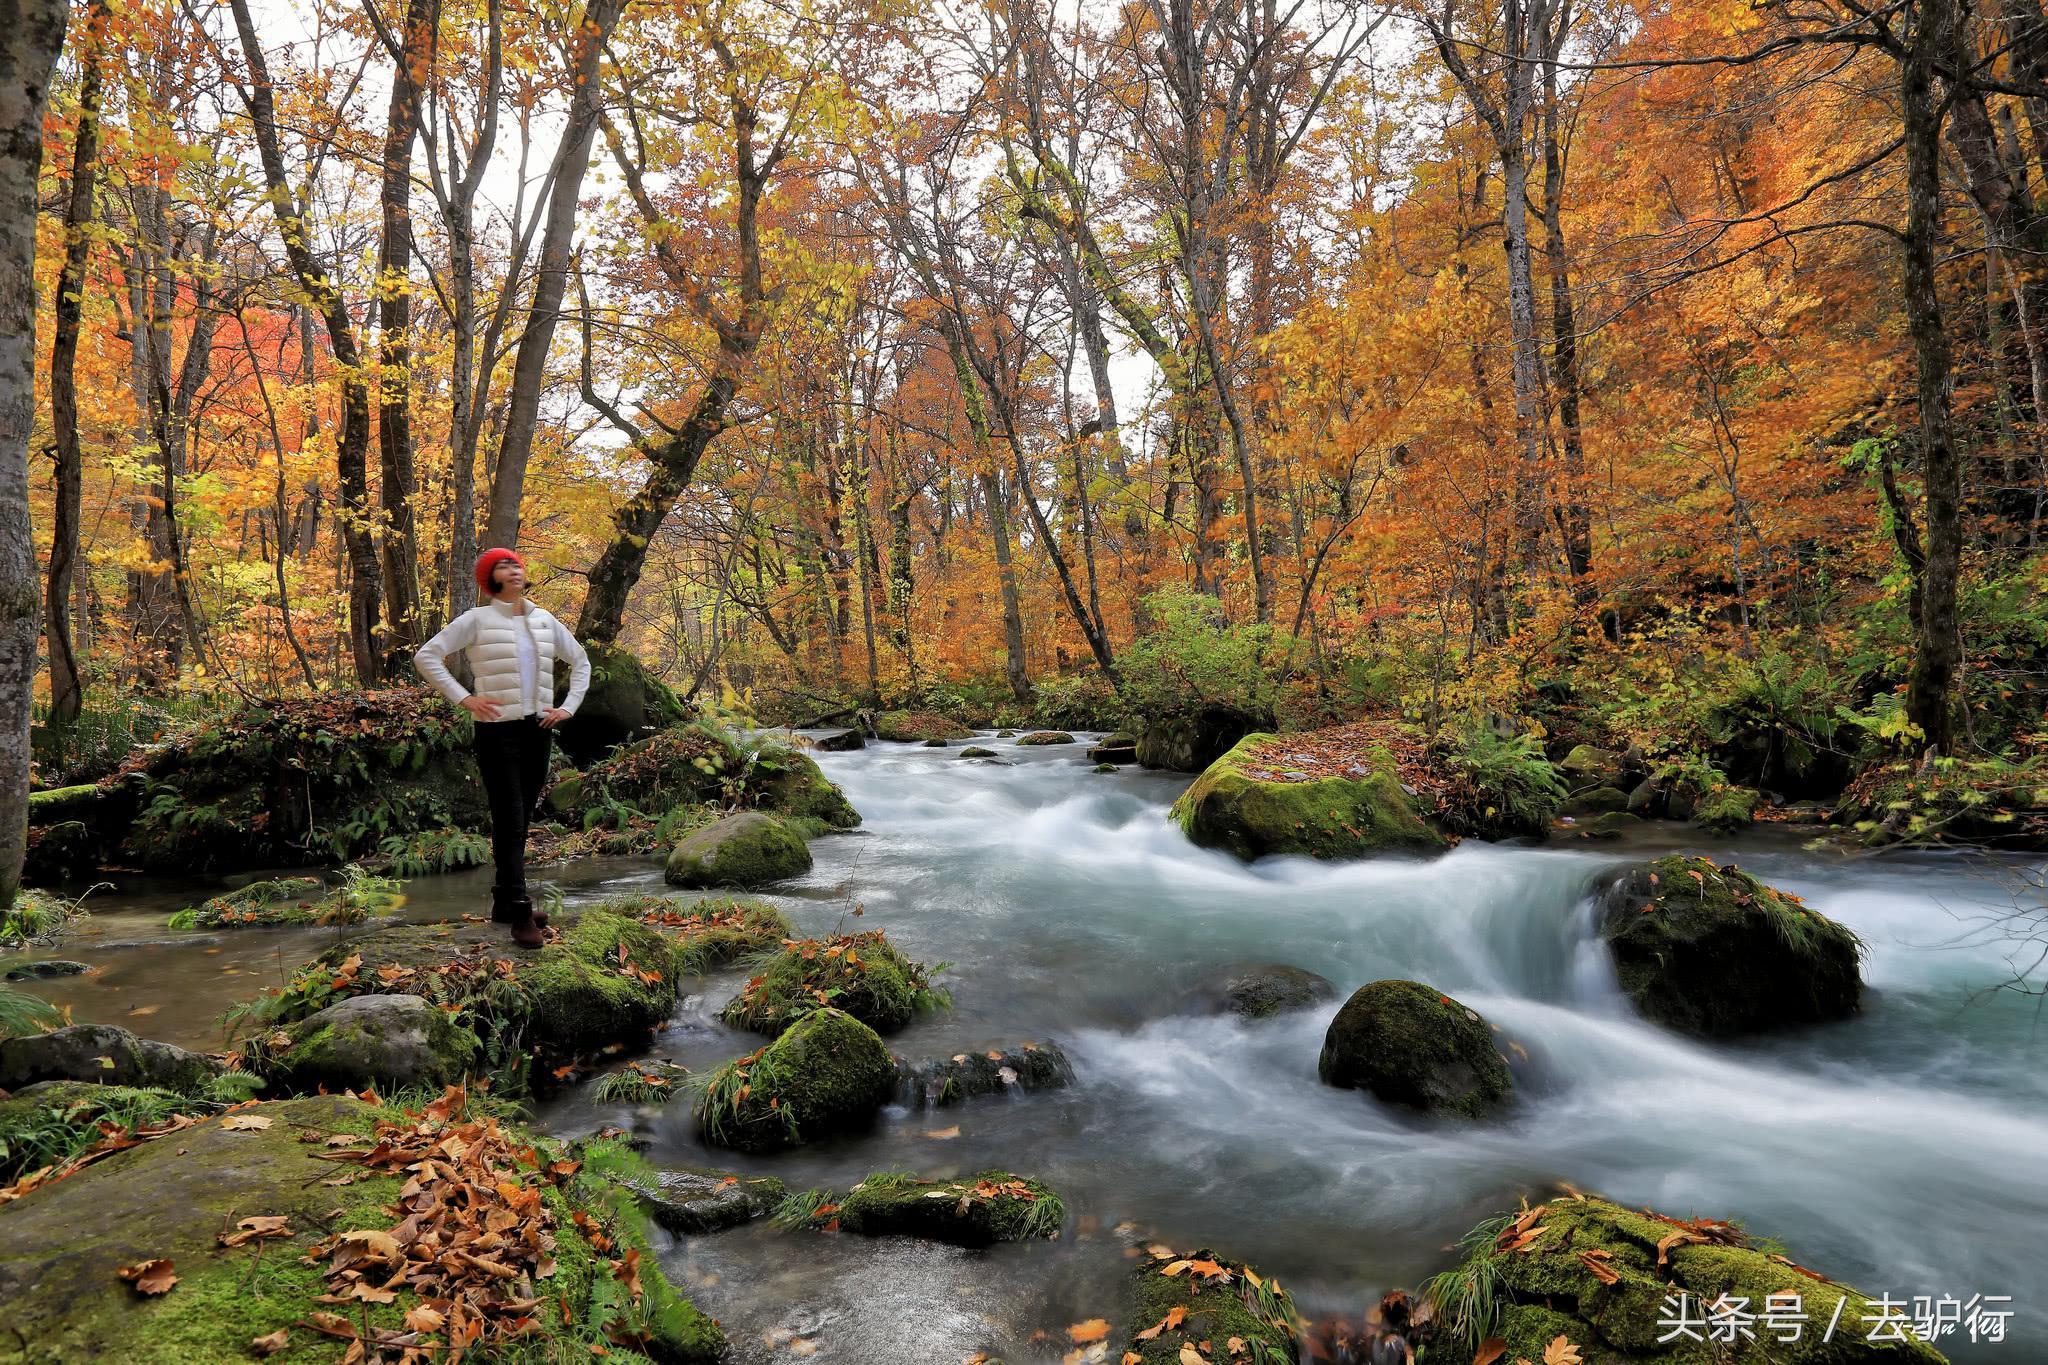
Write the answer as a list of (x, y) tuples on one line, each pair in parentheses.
[(693, 1200), (46, 969), (977, 751), (828, 1074), (1410, 1044), (745, 850), (844, 742), (1264, 991), (1600, 1275), (1711, 951), (975, 1211), (105, 1054), (1248, 806), (996, 1071)]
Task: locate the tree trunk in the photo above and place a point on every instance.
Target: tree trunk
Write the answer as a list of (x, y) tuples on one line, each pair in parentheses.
[(352, 450), (31, 35), (401, 557), (1937, 646), (67, 685), (572, 161), (1006, 574)]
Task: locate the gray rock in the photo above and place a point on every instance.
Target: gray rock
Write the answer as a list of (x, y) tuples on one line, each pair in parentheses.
[(388, 1040), (41, 971), (1114, 753), (843, 742), (1596, 801), (1191, 743), (103, 1053), (937, 743), (1269, 989), (693, 1199), (994, 1071)]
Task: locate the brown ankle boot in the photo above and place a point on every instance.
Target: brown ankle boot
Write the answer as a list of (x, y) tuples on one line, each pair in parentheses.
[(527, 934)]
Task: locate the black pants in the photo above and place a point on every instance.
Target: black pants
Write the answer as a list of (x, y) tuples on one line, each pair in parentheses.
[(512, 755)]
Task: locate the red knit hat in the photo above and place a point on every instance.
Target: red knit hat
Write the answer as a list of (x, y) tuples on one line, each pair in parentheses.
[(487, 563)]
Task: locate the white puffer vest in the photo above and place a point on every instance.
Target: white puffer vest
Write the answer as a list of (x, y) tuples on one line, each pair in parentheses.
[(494, 655), (488, 638)]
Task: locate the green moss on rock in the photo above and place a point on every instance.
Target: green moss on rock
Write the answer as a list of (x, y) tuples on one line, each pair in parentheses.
[(977, 751), (745, 850), (1325, 817), (1712, 951), (1410, 1044), (789, 783), (706, 933), (827, 1074), (1527, 1279), (975, 1211), (170, 1199), (1726, 810), (1218, 1299), (41, 1125), (863, 974), (1042, 737), (625, 703), (377, 1041)]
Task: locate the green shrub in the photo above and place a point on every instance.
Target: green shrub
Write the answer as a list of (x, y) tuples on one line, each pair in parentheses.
[(1505, 783), (1192, 658)]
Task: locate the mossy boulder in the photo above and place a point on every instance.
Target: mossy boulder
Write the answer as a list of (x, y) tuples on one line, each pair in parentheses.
[(1610, 825), (1589, 765), (829, 1073), (51, 1121), (386, 1042), (1726, 810), (919, 726), (1043, 737), (1599, 1275), (684, 764), (293, 782), (103, 1054), (1250, 803), (977, 751), (272, 901), (1595, 801), (1410, 1044), (1180, 1301), (790, 784), (625, 703), (863, 974), (745, 850), (1713, 952), (1192, 741), (995, 1071), (608, 979), (975, 1211), (171, 1199), (706, 933), (846, 741)]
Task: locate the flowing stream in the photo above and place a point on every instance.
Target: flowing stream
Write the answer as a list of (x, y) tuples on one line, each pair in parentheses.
[(1905, 1151)]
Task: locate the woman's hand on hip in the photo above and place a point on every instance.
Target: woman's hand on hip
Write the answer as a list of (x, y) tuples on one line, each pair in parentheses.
[(552, 717), (480, 708)]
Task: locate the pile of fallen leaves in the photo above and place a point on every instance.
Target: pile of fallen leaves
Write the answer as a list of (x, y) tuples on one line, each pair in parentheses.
[(1348, 751), (473, 1241)]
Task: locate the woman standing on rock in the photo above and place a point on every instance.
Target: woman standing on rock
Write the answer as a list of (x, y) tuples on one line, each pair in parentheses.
[(512, 644)]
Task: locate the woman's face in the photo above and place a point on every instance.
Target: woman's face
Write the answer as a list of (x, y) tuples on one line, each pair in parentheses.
[(508, 574)]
